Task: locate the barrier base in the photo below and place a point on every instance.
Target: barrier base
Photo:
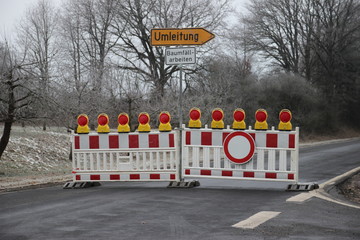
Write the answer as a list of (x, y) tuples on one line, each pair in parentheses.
[(77, 185), (302, 187), (183, 184)]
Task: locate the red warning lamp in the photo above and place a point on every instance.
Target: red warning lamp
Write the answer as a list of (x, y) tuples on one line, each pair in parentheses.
[(285, 117), (123, 120), (217, 115), (144, 120), (103, 123), (83, 122), (261, 117), (103, 120), (239, 119), (164, 119), (194, 115)]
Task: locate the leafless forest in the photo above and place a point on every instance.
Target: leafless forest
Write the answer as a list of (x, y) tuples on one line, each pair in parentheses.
[(94, 56)]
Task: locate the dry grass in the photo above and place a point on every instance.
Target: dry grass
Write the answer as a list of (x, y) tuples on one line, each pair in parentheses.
[(343, 133), (32, 151)]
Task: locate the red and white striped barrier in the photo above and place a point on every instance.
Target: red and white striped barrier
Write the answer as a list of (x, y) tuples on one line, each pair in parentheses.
[(124, 140), (125, 176), (263, 139), (125, 157), (270, 155)]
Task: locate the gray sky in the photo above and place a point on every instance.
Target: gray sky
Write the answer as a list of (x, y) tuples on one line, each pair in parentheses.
[(11, 12)]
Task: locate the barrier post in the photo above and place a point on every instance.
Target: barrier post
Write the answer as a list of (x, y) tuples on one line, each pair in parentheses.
[(297, 145), (180, 126)]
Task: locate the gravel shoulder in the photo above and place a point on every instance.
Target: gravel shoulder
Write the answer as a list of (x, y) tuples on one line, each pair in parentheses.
[(350, 188)]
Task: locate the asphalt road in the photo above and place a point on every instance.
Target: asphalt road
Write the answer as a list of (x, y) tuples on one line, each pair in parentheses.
[(151, 211)]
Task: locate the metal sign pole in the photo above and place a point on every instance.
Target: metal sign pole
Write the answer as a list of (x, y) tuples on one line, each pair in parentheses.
[(180, 125)]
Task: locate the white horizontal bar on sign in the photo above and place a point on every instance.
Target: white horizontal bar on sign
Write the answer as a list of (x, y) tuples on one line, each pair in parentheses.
[(130, 133), (125, 150), (239, 170), (243, 178), (270, 148), (125, 171), (269, 131), (204, 146)]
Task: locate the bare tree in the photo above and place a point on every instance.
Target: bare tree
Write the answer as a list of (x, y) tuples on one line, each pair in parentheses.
[(73, 63), (337, 32), (88, 26), (273, 28), (141, 16), (316, 39), (15, 93), (37, 33)]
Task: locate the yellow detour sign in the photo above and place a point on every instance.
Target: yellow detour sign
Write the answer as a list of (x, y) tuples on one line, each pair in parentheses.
[(180, 36)]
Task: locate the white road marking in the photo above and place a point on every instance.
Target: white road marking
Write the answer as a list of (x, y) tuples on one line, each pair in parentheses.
[(255, 220), (322, 194), (302, 197)]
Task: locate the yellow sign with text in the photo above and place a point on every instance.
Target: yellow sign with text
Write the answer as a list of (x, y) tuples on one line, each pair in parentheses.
[(180, 36)]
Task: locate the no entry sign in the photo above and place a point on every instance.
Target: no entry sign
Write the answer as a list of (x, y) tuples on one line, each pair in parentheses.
[(239, 147)]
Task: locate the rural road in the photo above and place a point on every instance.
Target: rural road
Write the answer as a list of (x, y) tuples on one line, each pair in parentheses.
[(215, 210)]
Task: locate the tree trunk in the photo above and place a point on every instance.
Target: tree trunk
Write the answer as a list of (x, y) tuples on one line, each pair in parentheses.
[(44, 125), (5, 137)]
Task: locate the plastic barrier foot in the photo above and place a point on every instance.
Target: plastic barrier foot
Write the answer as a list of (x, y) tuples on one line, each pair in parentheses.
[(302, 187), (77, 185), (183, 184)]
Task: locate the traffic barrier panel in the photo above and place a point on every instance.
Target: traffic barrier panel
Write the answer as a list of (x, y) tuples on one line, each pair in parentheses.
[(125, 157), (210, 153)]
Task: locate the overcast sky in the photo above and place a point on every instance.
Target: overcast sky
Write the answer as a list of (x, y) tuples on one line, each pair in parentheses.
[(11, 12)]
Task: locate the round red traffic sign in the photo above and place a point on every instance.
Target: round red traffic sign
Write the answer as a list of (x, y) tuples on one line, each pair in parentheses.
[(239, 147)]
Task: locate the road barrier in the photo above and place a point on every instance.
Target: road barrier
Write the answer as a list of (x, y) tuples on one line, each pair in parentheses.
[(216, 153), (125, 157), (147, 155)]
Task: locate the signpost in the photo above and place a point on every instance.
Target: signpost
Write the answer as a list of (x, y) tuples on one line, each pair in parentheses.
[(181, 55), (180, 36)]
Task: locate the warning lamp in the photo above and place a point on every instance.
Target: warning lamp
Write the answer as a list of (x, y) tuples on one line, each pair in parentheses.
[(144, 120), (239, 119), (195, 115), (164, 119), (261, 117), (123, 120), (217, 118), (285, 118), (83, 122), (103, 123)]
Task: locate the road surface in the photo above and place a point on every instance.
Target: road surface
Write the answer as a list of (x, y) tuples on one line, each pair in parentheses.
[(215, 210)]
